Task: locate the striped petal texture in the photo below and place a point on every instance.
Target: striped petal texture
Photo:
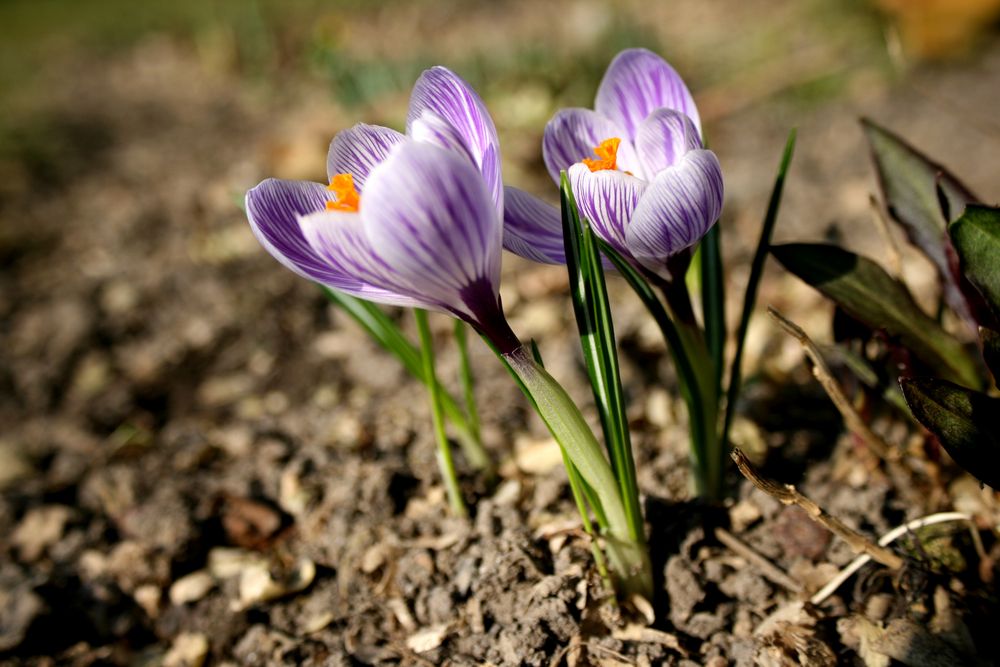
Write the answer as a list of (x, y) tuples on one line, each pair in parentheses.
[(407, 220), (637, 167)]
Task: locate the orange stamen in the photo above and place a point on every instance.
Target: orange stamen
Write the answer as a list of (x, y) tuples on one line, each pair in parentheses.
[(607, 155), (347, 197)]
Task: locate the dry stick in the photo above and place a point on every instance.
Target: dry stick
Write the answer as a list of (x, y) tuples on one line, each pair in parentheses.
[(766, 567), (821, 372), (788, 495), (893, 258), (890, 537)]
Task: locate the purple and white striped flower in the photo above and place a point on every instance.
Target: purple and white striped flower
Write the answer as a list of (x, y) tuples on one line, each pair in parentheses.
[(637, 167), (409, 220)]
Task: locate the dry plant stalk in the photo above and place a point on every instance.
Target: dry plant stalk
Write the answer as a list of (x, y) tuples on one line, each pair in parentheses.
[(892, 257), (767, 568), (789, 495), (855, 423)]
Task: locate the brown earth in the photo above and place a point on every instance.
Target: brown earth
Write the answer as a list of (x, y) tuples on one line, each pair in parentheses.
[(203, 461)]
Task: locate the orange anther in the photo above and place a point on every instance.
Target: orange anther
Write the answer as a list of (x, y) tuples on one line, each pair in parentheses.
[(607, 155), (347, 197)]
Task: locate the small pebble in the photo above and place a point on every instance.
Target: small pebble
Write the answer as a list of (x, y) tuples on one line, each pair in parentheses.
[(147, 596), (188, 650), (191, 587)]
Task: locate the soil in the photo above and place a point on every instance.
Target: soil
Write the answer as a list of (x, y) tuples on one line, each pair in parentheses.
[(204, 462)]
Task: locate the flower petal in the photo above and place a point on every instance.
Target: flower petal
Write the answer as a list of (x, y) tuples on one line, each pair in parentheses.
[(448, 95), (358, 150), (432, 128), (636, 83), (663, 138), (607, 199), (273, 208), (532, 228), (573, 133), (679, 207), (339, 238), (428, 214)]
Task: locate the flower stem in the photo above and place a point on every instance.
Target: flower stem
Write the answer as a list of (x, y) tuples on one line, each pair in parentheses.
[(386, 333), (629, 557), (474, 449), (445, 461), (693, 366), (705, 443)]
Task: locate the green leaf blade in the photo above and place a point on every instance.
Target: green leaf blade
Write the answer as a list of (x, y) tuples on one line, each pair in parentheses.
[(594, 321), (967, 423), (976, 236), (713, 299), (753, 283), (991, 351), (919, 194), (866, 292)]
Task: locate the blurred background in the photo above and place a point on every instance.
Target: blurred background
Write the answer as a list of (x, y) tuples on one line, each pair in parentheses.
[(147, 337), (129, 133)]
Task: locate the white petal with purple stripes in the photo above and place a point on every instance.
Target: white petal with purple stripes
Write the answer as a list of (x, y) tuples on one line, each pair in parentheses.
[(532, 228), (638, 82), (428, 214), (663, 139), (339, 238), (572, 135), (448, 95), (358, 150), (607, 198), (679, 207), (432, 128), (273, 208)]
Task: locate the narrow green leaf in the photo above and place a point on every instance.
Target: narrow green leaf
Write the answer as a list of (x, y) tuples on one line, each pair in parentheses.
[(704, 469), (976, 236), (966, 422), (381, 328), (583, 493), (713, 299), (445, 460), (919, 194), (750, 297), (387, 333), (461, 335), (991, 351), (591, 495), (863, 289), (597, 338), (536, 353)]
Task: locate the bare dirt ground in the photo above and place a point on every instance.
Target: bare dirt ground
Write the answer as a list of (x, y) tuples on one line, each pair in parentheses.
[(203, 462)]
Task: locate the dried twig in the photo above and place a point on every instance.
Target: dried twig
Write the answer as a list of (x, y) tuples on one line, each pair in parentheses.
[(821, 372), (788, 495), (887, 539), (766, 567), (892, 257)]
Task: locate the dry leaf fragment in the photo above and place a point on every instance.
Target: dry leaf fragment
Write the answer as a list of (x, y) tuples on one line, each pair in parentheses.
[(638, 633), (428, 639)]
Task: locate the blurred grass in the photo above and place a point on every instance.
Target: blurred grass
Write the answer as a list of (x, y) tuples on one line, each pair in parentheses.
[(527, 59), (319, 36)]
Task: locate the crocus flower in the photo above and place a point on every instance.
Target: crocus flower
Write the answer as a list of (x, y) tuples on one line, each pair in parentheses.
[(637, 167), (409, 220), (417, 220)]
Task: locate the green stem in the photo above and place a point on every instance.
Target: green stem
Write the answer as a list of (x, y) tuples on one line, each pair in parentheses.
[(577, 486), (386, 333), (445, 461), (705, 443), (629, 558), (469, 395), (713, 299), (693, 372), (750, 296)]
